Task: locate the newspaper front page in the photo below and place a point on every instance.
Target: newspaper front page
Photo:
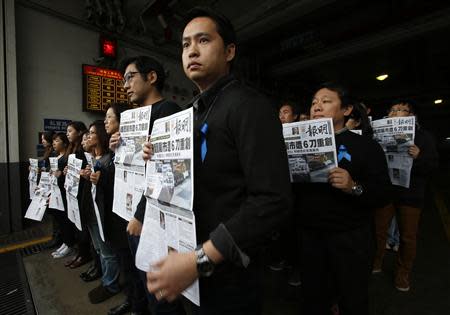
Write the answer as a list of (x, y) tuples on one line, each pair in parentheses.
[(311, 150), (71, 185), (130, 167), (396, 135), (169, 223), (55, 201), (38, 204), (33, 176)]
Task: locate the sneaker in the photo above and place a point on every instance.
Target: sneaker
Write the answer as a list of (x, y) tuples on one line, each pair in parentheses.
[(100, 294), (64, 253), (388, 246), (278, 266), (62, 247), (294, 278), (402, 282)]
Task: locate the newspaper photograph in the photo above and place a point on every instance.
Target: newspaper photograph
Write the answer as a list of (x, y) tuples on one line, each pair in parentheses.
[(55, 201), (311, 150), (71, 185), (169, 173), (38, 205), (129, 165), (396, 135), (33, 176), (166, 229)]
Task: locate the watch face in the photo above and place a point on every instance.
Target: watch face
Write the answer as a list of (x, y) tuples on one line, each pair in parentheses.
[(205, 269), (357, 190)]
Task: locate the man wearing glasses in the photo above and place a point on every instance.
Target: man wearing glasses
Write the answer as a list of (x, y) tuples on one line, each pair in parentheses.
[(407, 202), (143, 82)]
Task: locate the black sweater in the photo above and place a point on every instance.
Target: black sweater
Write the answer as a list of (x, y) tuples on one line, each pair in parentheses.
[(421, 170), (114, 227), (323, 207)]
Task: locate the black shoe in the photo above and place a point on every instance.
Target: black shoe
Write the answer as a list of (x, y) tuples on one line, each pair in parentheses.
[(120, 309), (94, 275), (100, 294), (92, 267)]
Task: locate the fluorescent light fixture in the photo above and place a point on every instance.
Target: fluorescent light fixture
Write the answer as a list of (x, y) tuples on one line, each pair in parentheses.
[(382, 77), (438, 101)]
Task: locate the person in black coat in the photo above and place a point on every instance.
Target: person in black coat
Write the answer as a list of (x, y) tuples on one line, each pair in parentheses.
[(336, 217), (407, 202)]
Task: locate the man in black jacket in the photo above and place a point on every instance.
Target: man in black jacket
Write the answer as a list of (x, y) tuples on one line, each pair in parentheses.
[(336, 217), (241, 185), (143, 82), (407, 202)]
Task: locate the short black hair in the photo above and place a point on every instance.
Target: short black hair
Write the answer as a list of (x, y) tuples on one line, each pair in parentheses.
[(292, 105), (359, 113), (405, 101), (342, 92), (145, 65), (223, 24)]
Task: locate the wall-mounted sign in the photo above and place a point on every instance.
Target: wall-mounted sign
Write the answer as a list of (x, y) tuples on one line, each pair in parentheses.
[(101, 87), (56, 125)]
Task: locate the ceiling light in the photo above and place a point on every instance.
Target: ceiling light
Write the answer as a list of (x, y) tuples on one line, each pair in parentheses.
[(438, 101), (382, 77)]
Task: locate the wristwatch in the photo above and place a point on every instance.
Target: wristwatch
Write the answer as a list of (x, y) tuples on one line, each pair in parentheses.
[(205, 267), (357, 189)]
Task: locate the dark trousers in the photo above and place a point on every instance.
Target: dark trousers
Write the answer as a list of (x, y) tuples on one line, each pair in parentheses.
[(231, 291), (66, 227), (134, 288), (157, 307), (335, 267)]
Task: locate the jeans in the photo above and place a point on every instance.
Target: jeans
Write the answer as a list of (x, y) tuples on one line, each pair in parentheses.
[(157, 307), (109, 260), (393, 233)]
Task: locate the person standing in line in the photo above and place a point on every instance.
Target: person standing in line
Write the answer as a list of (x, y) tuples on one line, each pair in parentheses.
[(407, 202), (144, 79), (241, 184)]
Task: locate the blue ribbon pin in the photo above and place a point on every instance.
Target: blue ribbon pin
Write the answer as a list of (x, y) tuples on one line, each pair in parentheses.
[(343, 154), (204, 148)]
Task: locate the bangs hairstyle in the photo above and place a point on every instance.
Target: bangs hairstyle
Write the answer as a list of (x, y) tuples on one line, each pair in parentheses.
[(63, 137), (145, 65), (223, 24)]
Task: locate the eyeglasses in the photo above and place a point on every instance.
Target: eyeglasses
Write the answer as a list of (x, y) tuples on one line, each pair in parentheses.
[(128, 76), (399, 110)]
